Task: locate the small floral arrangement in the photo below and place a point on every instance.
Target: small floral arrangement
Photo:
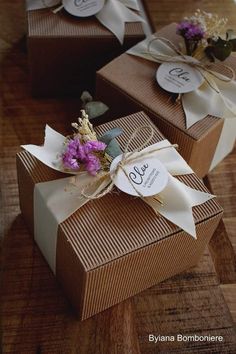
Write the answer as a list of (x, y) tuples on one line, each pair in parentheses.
[(202, 36), (85, 151)]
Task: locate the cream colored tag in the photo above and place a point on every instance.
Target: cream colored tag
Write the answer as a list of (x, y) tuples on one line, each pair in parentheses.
[(145, 175), (83, 8), (178, 77)]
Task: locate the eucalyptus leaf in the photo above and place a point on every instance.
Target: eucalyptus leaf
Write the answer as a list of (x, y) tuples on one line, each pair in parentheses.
[(86, 97), (110, 135), (95, 109), (113, 149)]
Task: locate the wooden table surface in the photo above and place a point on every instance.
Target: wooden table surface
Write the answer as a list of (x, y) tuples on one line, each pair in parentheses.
[(36, 317)]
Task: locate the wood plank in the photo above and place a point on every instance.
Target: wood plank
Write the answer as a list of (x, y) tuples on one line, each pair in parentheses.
[(223, 255), (36, 317), (229, 292), (230, 226), (167, 11)]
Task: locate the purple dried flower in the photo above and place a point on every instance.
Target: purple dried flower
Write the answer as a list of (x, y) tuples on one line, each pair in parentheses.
[(190, 31), (77, 153), (69, 157), (94, 145), (92, 164)]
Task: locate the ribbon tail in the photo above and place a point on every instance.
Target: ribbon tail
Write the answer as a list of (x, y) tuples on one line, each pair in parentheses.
[(114, 15), (226, 142), (193, 113), (227, 93), (178, 210), (228, 134), (132, 4), (40, 4), (48, 153), (201, 102), (172, 160), (214, 97)]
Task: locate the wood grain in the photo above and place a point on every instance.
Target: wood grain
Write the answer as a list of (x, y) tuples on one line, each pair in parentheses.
[(229, 291), (167, 11), (36, 317)]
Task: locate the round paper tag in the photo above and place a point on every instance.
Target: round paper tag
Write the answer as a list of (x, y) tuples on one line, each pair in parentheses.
[(179, 77), (147, 175), (83, 8)]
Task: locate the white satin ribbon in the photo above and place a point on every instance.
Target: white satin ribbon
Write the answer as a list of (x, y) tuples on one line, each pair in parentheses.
[(55, 201), (113, 15), (203, 101)]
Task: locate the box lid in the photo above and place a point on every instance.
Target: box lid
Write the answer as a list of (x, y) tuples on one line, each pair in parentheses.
[(44, 23), (108, 228), (136, 78)]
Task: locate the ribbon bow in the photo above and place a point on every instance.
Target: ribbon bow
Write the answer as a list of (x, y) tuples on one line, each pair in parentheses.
[(216, 95), (113, 15), (174, 202)]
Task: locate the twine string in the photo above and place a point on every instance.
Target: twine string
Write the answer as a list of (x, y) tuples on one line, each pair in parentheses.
[(127, 157), (57, 9), (182, 58)]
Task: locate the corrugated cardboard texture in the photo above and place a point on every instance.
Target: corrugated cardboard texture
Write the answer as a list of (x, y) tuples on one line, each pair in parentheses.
[(43, 23), (116, 246), (65, 52), (128, 84)]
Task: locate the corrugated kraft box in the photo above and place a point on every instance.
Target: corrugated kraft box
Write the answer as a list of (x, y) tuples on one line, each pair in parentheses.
[(128, 84), (117, 246), (64, 51)]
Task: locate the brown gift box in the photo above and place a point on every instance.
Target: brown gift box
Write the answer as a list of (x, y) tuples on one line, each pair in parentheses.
[(118, 246), (128, 84), (65, 51)]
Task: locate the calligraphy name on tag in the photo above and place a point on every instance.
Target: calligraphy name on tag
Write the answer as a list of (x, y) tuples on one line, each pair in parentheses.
[(83, 8), (179, 77), (147, 175)]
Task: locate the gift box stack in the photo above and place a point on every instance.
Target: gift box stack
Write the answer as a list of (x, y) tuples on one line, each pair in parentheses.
[(196, 123), (65, 50), (170, 120)]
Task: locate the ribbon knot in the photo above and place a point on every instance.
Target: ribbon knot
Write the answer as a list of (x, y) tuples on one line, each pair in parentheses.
[(191, 61), (216, 95), (58, 202), (127, 157)]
